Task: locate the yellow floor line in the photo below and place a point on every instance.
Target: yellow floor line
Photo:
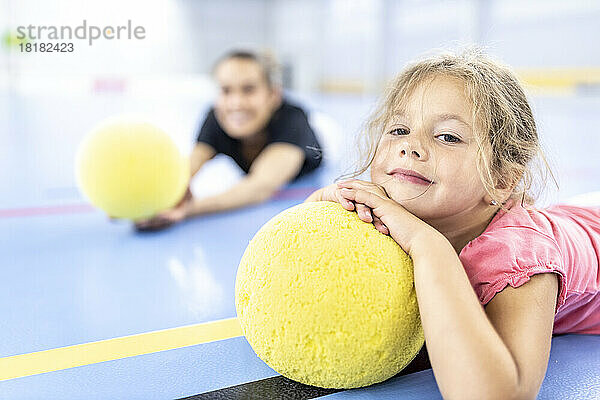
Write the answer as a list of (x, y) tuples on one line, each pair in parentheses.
[(113, 349)]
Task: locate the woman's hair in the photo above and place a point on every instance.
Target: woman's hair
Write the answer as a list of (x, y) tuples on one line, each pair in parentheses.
[(267, 61), (504, 127)]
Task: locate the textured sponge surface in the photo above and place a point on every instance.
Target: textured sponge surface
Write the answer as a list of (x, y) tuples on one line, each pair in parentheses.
[(131, 169), (325, 299)]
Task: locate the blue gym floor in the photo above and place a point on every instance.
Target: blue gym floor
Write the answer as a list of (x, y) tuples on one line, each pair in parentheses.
[(70, 276)]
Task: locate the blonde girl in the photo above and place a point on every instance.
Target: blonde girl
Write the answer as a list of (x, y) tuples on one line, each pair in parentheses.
[(451, 153)]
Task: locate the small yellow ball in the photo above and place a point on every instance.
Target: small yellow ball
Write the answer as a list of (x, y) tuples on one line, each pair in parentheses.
[(326, 300), (131, 169)]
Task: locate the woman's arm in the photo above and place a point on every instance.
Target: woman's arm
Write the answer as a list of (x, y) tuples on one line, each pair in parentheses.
[(201, 153), (275, 166)]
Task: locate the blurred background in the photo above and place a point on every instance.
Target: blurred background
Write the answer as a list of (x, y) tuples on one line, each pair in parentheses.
[(337, 57)]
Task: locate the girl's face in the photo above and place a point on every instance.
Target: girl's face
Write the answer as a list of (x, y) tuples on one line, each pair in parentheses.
[(426, 158), (245, 102)]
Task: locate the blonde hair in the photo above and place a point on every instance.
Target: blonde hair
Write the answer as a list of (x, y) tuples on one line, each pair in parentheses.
[(505, 130)]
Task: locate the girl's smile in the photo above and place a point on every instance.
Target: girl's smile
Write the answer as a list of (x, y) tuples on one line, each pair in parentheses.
[(407, 175)]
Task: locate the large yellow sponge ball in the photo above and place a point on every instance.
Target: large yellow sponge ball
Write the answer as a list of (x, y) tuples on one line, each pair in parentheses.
[(325, 299), (131, 169)]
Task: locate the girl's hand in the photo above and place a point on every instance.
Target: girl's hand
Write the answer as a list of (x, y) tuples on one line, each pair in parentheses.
[(364, 212), (405, 228), (333, 193)]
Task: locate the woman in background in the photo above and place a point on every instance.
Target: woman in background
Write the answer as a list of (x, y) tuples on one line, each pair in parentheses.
[(269, 138)]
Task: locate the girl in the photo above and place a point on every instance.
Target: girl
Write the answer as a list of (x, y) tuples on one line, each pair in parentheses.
[(451, 152)]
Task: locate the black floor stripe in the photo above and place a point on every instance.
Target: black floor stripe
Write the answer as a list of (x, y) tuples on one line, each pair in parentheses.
[(281, 388), (277, 387)]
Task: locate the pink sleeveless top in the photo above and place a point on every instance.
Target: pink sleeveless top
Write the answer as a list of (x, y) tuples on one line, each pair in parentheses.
[(561, 239)]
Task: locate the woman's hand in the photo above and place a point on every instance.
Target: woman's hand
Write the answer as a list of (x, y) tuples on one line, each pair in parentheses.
[(167, 217), (405, 228)]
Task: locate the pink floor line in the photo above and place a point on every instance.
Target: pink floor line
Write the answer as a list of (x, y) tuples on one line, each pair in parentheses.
[(86, 207), (47, 210), (294, 192)]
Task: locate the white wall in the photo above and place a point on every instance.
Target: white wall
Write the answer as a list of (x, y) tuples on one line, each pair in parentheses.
[(365, 41), (369, 41)]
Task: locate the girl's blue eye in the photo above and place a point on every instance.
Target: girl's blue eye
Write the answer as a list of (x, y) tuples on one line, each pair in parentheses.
[(399, 131), (448, 138)]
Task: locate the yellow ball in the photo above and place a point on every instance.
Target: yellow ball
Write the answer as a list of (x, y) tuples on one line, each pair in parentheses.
[(131, 169), (326, 300)]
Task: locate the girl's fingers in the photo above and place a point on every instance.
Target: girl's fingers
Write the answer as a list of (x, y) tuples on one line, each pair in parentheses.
[(369, 199), (362, 185), (380, 226), (347, 204), (364, 202), (348, 193), (364, 213)]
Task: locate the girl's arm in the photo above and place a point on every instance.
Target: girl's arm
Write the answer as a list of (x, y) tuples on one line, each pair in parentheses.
[(499, 355), (527, 330)]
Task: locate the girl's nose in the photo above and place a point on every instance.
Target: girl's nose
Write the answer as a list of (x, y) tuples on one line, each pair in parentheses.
[(414, 150)]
